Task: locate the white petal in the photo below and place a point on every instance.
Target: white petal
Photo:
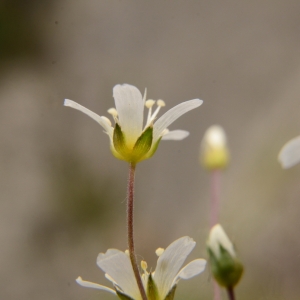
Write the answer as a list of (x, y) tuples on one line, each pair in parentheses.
[(289, 155), (170, 262), (173, 114), (192, 269), (117, 265), (92, 285), (130, 106), (91, 114), (175, 135)]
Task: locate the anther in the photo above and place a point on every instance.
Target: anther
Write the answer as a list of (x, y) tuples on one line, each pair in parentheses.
[(159, 251), (113, 112), (161, 103), (144, 265), (149, 103)]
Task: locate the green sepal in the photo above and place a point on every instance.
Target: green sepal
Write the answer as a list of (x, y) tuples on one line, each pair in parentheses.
[(123, 296), (143, 144), (152, 292), (226, 269), (153, 150), (119, 141), (171, 294)]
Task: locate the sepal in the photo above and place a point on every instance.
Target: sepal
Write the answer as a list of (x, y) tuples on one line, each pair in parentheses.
[(143, 144), (119, 141), (226, 269), (171, 294), (152, 292), (123, 296)]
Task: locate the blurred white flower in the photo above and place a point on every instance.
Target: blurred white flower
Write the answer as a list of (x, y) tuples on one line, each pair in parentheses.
[(160, 284), (225, 266), (214, 152), (289, 154), (217, 240), (129, 139)]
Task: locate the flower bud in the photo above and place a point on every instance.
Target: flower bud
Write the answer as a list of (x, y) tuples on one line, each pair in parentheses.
[(214, 152), (226, 268)]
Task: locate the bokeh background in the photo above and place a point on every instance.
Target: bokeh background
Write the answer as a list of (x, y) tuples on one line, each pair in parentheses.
[(63, 193)]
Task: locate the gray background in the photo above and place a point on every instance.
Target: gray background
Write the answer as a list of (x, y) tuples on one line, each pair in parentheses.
[(63, 193)]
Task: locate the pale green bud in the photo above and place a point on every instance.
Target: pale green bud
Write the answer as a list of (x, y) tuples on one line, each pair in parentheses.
[(214, 153), (226, 268)]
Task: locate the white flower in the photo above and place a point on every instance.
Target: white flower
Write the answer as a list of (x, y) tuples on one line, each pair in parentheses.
[(129, 139), (225, 266), (160, 284), (289, 155)]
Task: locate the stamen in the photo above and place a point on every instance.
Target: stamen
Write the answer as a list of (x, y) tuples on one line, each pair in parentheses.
[(159, 251), (149, 103), (107, 120), (113, 112), (145, 95), (161, 103), (144, 265)]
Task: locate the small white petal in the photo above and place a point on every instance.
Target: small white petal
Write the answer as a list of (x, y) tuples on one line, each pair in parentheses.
[(173, 114), (130, 107), (93, 285), (91, 114), (117, 265), (170, 262), (289, 155), (192, 269), (175, 135)]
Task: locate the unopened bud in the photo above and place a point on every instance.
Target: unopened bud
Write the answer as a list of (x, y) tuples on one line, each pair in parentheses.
[(226, 268), (214, 152)]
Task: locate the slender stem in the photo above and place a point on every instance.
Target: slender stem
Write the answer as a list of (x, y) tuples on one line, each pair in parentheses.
[(230, 293), (130, 200), (215, 197), (214, 215)]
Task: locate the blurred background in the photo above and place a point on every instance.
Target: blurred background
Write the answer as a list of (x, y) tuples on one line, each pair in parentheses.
[(63, 195)]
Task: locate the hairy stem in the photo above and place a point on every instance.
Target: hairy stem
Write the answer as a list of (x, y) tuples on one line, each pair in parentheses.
[(230, 293), (130, 205)]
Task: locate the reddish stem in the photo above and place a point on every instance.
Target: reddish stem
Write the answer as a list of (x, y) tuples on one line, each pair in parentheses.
[(230, 293), (130, 206), (215, 197)]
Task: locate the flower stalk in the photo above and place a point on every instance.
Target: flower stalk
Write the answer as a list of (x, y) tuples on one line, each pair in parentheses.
[(215, 197), (215, 177), (230, 292), (130, 207)]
